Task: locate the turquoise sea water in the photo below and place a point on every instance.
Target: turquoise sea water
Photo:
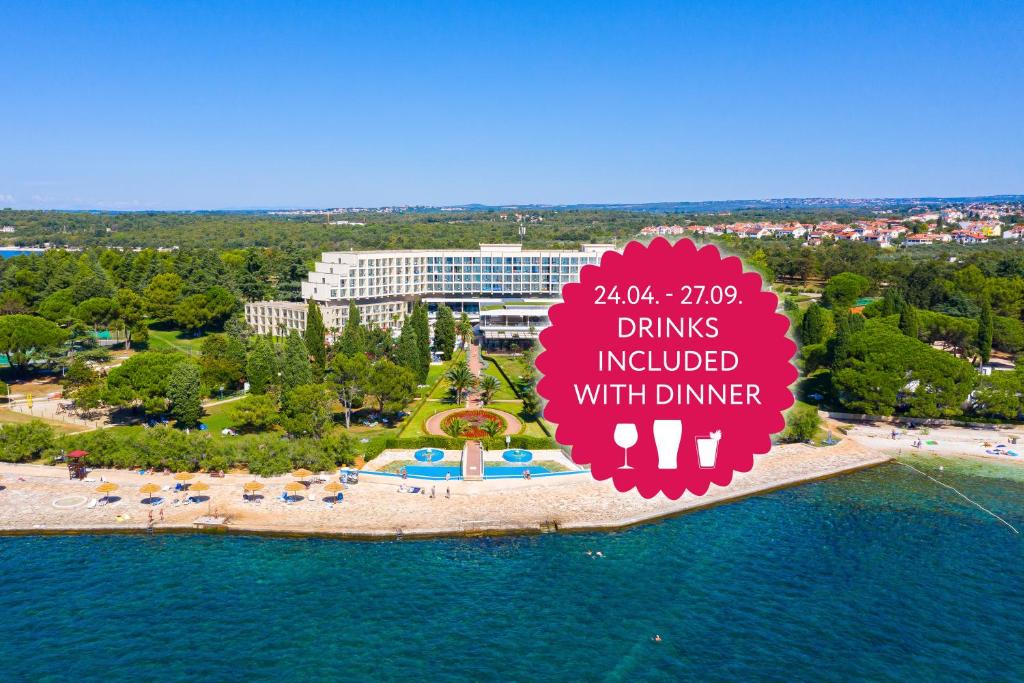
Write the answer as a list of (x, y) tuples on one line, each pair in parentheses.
[(879, 575)]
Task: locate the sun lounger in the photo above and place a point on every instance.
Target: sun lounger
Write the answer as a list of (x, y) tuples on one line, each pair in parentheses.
[(91, 504), (414, 489)]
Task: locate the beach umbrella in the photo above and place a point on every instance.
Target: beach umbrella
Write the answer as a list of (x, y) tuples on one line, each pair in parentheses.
[(333, 487), (106, 487), (184, 476), (252, 487), (294, 487), (77, 454), (301, 473), (199, 486), (149, 488)]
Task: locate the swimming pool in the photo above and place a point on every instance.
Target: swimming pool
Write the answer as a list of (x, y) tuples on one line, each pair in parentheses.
[(428, 454), (518, 455), (433, 471), (511, 471), (455, 471)]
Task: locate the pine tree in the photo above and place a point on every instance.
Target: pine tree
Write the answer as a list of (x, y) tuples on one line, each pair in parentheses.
[(839, 344), (985, 329), (909, 323), (892, 302), (408, 352), (183, 390), (353, 337), (295, 369), (261, 367), (812, 326), (531, 404), (422, 328), (316, 339), (444, 332)]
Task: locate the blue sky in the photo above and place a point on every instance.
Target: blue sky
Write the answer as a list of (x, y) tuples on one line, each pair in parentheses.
[(201, 105)]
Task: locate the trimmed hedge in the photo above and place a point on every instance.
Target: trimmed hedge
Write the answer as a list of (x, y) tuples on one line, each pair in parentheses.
[(497, 443), (448, 443)]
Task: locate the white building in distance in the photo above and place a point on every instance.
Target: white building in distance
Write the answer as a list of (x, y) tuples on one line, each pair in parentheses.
[(480, 282)]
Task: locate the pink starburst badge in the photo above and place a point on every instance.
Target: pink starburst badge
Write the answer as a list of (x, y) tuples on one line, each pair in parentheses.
[(666, 368)]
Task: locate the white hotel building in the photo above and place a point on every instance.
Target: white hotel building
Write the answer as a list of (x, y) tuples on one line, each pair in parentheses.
[(504, 288)]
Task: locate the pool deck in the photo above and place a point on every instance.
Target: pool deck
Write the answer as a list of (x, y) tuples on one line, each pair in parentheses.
[(375, 509)]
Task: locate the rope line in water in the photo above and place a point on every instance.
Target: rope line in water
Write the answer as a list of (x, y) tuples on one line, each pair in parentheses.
[(978, 505)]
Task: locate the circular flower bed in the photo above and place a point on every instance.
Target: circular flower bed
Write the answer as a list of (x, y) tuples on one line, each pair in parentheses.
[(473, 422)]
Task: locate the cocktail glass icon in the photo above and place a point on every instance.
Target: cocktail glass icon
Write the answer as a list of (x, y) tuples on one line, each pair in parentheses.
[(707, 449), (625, 438), (667, 435)]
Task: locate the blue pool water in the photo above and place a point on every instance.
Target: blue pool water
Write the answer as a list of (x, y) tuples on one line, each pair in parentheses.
[(500, 471), (10, 253), (878, 575), (517, 455), (434, 471), (429, 454)]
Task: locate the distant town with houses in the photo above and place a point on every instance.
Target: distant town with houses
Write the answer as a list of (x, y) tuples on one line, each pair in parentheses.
[(964, 224)]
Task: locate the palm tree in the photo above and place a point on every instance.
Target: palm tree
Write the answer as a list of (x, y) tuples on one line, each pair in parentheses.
[(465, 328), (454, 427), (460, 379), (489, 386), (492, 427)]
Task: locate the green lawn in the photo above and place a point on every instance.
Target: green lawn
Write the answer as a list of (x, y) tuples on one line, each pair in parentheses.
[(218, 417), (440, 391), (513, 367), (173, 339), (434, 375), (414, 425)]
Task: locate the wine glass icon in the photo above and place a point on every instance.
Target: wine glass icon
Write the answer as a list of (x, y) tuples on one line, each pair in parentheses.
[(625, 438)]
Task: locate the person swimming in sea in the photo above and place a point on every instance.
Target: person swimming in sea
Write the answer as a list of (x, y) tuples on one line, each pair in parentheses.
[(656, 638)]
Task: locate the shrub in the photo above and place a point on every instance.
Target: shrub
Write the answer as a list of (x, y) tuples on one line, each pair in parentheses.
[(470, 423), (802, 424), (497, 443), (26, 442), (158, 447)]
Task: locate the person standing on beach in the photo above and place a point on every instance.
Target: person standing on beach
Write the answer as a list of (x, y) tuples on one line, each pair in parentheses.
[(431, 490), (448, 492)]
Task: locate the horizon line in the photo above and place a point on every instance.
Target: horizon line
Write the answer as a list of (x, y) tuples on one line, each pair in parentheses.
[(540, 205)]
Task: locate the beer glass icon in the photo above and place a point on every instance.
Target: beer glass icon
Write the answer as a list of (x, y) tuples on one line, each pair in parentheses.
[(667, 435)]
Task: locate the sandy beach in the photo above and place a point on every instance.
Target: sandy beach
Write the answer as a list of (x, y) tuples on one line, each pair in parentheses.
[(951, 441), (39, 499)]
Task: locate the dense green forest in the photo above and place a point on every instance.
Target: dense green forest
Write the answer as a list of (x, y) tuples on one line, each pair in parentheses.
[(309, 235), (937, 313)]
